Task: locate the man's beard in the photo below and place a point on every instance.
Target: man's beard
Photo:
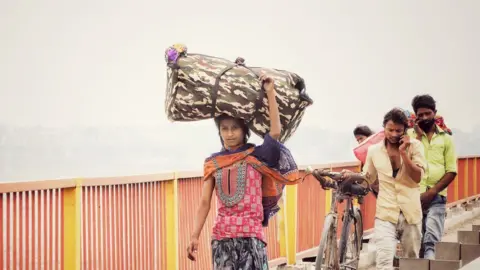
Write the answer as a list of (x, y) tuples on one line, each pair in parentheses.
[(394, 140), (426, 125)]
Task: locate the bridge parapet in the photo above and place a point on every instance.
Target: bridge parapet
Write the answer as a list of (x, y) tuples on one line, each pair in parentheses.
[(146, 220)]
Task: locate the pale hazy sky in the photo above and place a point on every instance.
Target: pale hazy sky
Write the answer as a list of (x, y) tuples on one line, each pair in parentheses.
[(101, 62)]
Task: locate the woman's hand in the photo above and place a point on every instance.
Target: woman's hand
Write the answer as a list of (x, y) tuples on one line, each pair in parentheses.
[(192, 249), (268, 83)]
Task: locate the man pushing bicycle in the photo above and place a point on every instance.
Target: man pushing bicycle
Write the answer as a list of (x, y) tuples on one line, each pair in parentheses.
[(398, 163)]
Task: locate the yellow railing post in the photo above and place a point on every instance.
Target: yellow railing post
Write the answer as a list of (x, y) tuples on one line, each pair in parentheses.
[(328, 201), (291, 223), (171, 197), (281, 232), (328, 198), (72, 203), (355, 200)]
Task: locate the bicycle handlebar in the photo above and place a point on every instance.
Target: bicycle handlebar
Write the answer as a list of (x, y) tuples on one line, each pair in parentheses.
[(336, 176)]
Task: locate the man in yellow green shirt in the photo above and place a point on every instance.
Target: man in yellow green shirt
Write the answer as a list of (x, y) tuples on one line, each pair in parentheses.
[(441, 171)]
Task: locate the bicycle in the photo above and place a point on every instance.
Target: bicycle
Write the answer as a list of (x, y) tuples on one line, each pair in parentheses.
[(328, 257)]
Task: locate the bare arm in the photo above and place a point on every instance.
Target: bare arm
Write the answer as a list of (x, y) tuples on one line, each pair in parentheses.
[(204, 207), (444, 182), (450, 167), (369, 169), (275, 126), (414, 171), (415, 161), (427, 196)]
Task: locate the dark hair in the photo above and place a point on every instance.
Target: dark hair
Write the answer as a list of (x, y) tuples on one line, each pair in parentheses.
[(397, 116), (423, 101), (362, 130), (240, 122)]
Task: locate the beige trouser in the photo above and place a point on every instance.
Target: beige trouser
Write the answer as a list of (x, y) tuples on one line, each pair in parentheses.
[(386, 240)]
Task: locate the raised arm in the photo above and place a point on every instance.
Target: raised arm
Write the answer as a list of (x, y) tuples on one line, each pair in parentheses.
[(415, 162), (450, 166), (275, 126), (202, 213)]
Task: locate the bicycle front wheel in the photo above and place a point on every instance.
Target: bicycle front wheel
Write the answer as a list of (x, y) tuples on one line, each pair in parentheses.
[(351, 240), (327, 250)]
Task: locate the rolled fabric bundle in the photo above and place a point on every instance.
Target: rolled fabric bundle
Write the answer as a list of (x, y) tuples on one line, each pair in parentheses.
[(201, 87)]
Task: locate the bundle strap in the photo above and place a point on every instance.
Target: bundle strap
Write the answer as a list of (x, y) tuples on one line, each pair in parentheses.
[(238, 62)]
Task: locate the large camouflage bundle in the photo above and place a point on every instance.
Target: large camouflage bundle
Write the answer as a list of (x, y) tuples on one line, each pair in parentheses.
[(201, 87)]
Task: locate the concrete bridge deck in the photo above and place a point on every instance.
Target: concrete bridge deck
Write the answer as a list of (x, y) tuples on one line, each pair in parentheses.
[(459, 219)]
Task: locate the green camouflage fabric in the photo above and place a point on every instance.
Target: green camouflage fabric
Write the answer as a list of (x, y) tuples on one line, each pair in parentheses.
[(191, 88)]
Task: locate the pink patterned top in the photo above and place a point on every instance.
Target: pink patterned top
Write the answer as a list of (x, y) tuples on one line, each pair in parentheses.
[(239, 202)]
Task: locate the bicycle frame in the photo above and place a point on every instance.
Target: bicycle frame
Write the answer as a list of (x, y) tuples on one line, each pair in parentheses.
[(336, 198), (330, 248)]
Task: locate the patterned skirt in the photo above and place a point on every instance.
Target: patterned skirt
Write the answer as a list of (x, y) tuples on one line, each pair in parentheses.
[(239, 254)]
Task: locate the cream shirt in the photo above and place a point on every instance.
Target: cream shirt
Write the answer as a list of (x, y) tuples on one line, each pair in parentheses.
[(398, 193)]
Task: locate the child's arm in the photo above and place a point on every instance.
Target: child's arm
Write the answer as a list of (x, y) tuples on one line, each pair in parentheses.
[(275, 125), (202, 213)]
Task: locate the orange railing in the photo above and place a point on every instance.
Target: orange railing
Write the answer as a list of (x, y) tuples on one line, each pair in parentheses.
[(144, 222)]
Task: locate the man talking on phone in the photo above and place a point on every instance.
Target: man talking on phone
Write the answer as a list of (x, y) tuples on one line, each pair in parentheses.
[(441, 170), (398, 162)]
